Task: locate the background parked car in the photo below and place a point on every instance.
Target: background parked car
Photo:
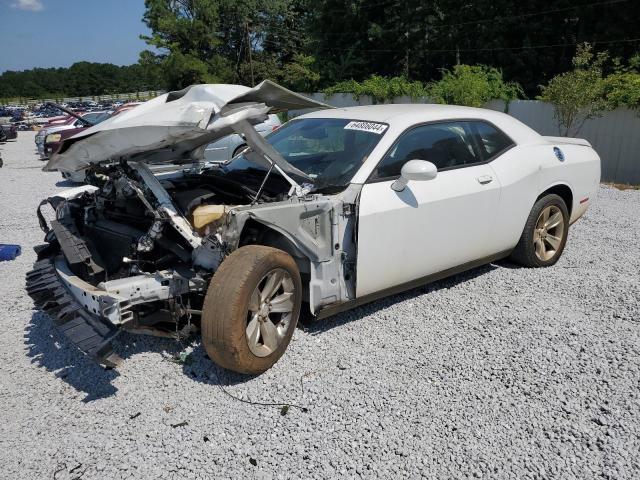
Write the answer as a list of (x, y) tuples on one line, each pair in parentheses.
[(51, 134), (54, 136), (49, 126), (3, 138), (228, 147), (10, 131), (123, 107)]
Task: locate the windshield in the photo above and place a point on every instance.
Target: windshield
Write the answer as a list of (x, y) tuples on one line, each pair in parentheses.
[(329, 150)]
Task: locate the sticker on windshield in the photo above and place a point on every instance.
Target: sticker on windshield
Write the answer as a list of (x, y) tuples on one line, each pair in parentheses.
[(377, 128)]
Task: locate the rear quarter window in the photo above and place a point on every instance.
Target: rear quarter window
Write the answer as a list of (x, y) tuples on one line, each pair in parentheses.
[(491, 140)]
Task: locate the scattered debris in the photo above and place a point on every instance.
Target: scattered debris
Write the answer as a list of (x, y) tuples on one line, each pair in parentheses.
[(205, 439), (262, 404), (253, 461), (9, 252), (284, 410), (184, 358)]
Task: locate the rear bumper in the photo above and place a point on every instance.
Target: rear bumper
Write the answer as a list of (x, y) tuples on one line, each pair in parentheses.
[(81, 313)]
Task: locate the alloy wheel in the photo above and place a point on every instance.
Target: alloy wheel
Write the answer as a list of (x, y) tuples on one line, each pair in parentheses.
[(270, 311), (548, 233)]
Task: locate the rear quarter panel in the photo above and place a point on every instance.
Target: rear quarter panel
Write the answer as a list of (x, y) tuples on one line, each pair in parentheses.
[(579, 170), (526, 171), (518, 171)]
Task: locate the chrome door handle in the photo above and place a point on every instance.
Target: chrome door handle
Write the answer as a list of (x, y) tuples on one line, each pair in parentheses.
[(484, 179)]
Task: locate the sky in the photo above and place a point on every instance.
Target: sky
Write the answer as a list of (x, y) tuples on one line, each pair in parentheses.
[(57, 33)]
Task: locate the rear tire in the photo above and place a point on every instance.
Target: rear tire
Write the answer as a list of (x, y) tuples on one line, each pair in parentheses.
[(545, 233), (251, 309)]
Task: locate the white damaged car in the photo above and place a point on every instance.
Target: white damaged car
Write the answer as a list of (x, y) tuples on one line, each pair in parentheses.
[(335, 209)]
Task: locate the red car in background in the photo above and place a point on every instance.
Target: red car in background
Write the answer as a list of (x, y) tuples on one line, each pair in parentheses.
[(69, 121), (61, 120), (52, 140)]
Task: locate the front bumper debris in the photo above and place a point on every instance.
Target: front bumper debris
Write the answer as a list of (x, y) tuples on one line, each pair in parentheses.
[(91, 333)]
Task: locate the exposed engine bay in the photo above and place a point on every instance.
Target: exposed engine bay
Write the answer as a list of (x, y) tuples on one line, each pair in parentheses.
[(137, 248), (150, 243), (130, 224)]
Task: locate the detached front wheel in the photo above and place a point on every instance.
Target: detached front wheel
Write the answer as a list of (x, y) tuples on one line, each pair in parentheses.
[(251, 309)]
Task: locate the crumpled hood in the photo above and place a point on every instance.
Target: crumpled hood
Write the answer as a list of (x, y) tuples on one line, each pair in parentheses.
[(175, 127)]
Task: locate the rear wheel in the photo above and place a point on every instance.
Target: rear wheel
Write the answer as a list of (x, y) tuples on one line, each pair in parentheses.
[(251, 309), (545, 233)]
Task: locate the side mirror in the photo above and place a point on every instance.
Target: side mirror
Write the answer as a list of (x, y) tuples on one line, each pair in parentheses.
[(418, 170)]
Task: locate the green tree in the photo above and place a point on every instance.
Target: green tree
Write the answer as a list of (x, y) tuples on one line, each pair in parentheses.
[(381, 89), (473, 86), (183, 70), (186, 34), (241, 41), (80, 79), (300, 73), (529, 42), (579, 94), (622, 88), (150, 70)]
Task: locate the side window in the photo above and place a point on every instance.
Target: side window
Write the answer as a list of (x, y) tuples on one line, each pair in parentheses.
[(446, 145), (492, 141)]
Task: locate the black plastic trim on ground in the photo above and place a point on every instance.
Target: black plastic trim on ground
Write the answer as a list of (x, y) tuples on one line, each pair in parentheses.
[(90, 333)]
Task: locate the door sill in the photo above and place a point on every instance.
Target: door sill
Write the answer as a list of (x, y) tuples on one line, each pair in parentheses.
[(334, 309)]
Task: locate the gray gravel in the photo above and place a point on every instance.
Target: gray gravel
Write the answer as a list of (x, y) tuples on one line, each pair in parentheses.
[(502, 372)]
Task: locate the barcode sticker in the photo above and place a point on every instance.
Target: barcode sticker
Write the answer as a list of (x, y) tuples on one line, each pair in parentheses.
[(377, 128)]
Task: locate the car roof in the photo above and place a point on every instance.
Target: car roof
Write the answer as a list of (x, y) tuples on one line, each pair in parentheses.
[(401, 116), (396, 111)]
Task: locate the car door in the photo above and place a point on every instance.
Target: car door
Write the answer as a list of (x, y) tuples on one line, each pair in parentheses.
[(519, 172), (430, 226)]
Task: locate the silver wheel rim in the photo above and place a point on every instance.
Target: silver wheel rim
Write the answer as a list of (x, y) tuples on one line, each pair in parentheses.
[(270, 312), (549, 232)]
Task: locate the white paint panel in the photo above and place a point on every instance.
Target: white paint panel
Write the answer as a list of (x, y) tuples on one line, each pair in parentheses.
[(518, 171), (429, 227)]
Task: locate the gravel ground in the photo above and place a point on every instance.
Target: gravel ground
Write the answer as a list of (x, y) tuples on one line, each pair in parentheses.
[(502, 372)]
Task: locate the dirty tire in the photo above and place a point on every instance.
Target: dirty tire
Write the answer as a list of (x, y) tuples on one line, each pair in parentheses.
[(525, 251), (225, 314)]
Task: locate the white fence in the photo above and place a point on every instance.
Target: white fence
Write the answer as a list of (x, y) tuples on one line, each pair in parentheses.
[(615, 135)]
